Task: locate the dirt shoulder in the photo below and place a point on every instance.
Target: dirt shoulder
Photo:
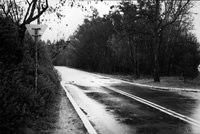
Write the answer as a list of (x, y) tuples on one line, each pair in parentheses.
[(68, 120), (63, 120)]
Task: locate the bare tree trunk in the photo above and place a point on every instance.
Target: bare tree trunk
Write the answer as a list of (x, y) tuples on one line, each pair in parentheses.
[(132, 55), (137, 62), (156, 58), (156, 67), (157, 44)]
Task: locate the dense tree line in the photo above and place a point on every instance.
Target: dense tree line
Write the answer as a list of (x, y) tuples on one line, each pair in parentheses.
[(147, 38), (21, 105)]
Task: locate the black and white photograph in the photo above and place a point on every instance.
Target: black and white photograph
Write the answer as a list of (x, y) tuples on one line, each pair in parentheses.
[(99, 67)]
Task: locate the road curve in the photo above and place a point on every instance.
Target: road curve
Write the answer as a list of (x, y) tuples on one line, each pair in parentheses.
[(129, 109)]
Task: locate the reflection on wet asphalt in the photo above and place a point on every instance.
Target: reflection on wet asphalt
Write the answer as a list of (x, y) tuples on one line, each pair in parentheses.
[(129, 115), (176, 101), (112, 113)]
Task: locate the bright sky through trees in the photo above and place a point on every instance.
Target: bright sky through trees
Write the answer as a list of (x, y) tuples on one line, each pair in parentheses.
[(197, 20), (74, 16)]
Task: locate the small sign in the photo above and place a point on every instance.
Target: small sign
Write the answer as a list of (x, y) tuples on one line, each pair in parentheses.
[(32, 30), (199, 67)]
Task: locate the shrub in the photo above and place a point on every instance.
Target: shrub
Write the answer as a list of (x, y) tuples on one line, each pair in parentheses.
[(19, 101)]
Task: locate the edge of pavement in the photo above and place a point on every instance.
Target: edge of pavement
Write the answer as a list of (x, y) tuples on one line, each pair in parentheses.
[(142, 85), (148, 86), (84, 119), (160, 87)]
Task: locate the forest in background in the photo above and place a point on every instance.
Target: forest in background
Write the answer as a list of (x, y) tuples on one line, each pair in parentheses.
[(139, 39)]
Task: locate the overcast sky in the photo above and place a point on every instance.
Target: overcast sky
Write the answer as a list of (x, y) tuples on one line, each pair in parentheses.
[(197, 20), (74, 16)]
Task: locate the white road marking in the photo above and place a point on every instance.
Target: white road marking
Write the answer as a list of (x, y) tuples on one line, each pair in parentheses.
[(156, 106), (143, 85), (83, 117), (151, 104)]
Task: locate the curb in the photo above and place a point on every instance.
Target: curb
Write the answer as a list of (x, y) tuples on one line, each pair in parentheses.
[(86, 122)]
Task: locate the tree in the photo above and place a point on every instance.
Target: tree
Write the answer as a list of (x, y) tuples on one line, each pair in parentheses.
[(57, 48), (132, 40), (158, 15), (8, 36), (132, 37), (89, 43), (187, 56), (23, 12)]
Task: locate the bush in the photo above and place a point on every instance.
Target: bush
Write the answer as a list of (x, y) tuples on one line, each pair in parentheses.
[(20, 103)]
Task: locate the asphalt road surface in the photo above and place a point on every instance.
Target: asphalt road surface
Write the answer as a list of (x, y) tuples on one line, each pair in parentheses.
[(116, 107)]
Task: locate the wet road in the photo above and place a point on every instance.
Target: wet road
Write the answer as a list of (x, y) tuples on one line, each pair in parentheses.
[(136, 110)]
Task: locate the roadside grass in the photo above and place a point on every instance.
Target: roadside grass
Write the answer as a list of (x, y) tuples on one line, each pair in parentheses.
[(172, 82), (60, 118)]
